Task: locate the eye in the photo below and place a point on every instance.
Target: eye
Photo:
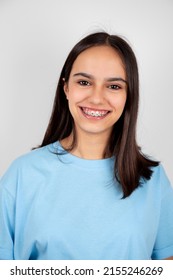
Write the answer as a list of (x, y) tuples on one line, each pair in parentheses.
[(114, 87), (83, 83)]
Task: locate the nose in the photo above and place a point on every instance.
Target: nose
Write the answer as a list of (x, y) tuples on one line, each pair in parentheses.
[(97, 95)]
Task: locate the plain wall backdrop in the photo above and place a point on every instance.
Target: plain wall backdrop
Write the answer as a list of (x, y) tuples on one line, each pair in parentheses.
[(35, 39)]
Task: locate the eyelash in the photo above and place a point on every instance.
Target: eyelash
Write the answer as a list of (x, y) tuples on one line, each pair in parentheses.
[(85, 83)]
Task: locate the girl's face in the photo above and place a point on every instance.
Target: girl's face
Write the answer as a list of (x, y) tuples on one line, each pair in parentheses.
[(96, 90)]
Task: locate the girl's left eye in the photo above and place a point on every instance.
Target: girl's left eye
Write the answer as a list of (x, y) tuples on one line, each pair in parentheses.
[(114, 87)]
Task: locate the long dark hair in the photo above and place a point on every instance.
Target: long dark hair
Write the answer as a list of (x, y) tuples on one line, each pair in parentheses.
[(130, 165)]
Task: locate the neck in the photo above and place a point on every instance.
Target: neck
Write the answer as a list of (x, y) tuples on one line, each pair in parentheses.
[(88, 147)]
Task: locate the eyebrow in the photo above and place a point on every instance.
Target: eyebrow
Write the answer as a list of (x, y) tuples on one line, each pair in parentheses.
[(89, 76)]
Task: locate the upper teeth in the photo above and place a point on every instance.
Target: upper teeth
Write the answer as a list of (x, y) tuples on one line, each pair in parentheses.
[(94, 113)]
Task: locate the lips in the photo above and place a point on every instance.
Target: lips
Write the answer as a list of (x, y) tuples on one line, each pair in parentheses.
[(95, 113)]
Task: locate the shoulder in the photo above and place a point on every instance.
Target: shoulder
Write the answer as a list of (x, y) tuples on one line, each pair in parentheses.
[(28, 166), (156, 193), (159, 182), (37, 156), (159, 175), (157, 187)]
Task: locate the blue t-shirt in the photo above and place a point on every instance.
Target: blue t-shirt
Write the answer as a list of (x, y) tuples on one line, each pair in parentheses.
[(64, 207)]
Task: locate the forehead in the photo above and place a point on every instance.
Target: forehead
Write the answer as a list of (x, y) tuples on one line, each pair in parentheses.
[(100, 59)]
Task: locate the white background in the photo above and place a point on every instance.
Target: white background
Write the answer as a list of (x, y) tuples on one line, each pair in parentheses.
[(35, 39)]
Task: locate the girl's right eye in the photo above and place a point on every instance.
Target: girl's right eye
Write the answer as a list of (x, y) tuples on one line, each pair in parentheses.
[(83, 83)]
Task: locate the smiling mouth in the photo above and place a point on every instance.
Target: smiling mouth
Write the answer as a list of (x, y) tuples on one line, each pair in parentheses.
[(94, 113)]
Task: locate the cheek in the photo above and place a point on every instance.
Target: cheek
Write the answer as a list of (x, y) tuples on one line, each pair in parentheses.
[(118, 102), (75, 95), (74, 98)]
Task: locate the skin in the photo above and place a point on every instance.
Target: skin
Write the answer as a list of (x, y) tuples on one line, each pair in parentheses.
[(97, 82)]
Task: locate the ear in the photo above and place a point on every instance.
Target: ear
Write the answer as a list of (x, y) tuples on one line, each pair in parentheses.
[(66, 91)]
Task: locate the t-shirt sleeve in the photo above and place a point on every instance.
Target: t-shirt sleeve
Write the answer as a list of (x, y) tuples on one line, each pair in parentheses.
[(7, 213), (163, 247)]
